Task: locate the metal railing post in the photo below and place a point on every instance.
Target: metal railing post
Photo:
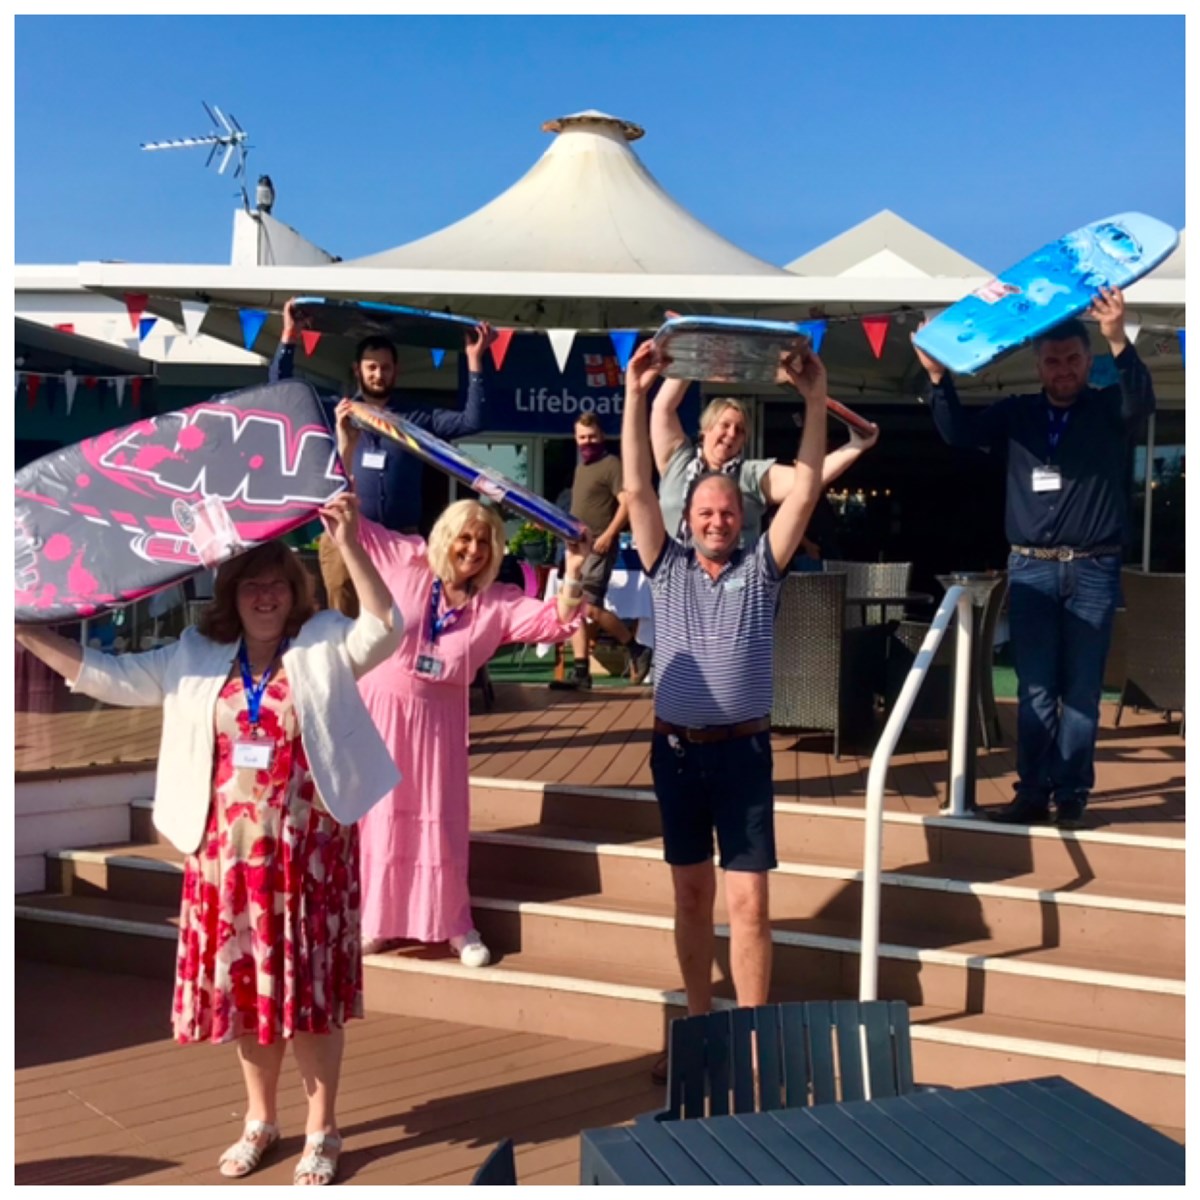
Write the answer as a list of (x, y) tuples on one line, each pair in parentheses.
[(952, 603), (960, 731)]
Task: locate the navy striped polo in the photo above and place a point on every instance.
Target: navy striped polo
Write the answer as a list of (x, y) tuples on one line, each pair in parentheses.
[(713, 638)]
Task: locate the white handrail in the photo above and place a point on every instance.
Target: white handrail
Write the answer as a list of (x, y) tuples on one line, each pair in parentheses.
[(957, 600)]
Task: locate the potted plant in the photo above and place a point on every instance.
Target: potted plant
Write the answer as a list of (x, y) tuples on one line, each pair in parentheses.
[(532, 543)]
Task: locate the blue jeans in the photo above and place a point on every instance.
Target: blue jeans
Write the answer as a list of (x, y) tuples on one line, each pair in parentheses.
[(1060, 621)]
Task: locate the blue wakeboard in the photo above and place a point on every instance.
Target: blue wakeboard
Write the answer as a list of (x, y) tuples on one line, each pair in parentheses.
[(1053, 284)]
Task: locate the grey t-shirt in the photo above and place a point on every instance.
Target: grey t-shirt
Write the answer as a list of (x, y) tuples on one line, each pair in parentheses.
[(672, 490)]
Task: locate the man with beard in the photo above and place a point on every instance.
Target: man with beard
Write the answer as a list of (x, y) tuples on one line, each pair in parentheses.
[(387, 479), (598, 501), (1066, 516), (714, 617)]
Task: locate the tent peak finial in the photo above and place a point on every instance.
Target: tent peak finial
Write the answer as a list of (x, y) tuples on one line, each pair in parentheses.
[(591, 116)]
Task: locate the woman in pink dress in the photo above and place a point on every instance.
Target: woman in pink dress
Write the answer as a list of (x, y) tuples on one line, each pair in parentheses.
[(414, 843)]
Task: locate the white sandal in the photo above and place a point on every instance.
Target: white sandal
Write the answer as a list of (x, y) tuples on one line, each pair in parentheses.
[(317, 1159), (246, 1153)]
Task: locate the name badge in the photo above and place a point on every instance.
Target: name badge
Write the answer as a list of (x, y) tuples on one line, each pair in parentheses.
[(429, 666), (1047, 479), (734, 585), (376, 460), (254, 754)]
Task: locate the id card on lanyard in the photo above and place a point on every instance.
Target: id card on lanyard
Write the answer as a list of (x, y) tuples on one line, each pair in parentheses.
[(255, 751), (429, 664), (1048, 478)]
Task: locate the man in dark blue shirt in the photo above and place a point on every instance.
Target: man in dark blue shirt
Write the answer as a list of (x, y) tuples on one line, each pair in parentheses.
[(1066, 515), (387, 479)]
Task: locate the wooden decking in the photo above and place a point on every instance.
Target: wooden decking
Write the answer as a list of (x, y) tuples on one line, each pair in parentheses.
[(602, 739), (104, 1096)]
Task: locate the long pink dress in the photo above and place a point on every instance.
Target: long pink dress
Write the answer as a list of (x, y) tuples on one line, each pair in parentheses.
[(414, 843)]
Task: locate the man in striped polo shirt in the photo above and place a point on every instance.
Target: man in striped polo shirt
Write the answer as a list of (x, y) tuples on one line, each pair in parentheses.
[(714, 616)]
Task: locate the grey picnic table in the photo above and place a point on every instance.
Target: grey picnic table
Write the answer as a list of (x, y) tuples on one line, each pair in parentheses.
[(1037, 1131)]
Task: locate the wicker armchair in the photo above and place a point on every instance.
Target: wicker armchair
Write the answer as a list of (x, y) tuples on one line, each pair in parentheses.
[(1154, 639), (809, 666), (873, 579)]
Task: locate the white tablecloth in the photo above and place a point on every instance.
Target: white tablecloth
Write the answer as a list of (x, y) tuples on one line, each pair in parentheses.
[(628, 596)]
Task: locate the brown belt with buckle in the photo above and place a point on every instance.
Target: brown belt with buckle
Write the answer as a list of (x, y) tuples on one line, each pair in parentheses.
[(713, 733), (1064, 553)]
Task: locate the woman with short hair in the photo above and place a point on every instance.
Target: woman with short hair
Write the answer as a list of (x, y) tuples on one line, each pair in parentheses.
[(414, 846), (268, 758)]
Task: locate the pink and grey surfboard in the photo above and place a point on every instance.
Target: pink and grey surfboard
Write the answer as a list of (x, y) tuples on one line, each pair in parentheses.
[(134, 510)]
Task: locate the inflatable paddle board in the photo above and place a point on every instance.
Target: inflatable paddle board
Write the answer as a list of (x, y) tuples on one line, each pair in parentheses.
[(1054, 283), (735, 350), (125, 514), (453, 462), (357, 319)]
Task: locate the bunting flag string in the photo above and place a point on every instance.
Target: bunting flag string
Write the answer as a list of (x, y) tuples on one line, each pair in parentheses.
[(876, 330), (70, 383), (135, 305), (438, 355), (310, 338), (135, 390), (194, 313), (499, 346), (252, 319), (66, 327), (119, 387), (623, 341), (561, 341), (1132, 329), (32, 383), (816, 333), (145, 324), (88, 380), (1182, 345)]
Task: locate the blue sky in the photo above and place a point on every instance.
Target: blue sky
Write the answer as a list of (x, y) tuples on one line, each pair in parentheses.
[(994, 134)]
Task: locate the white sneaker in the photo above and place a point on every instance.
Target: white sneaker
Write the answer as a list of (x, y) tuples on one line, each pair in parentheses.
[(470, 949)]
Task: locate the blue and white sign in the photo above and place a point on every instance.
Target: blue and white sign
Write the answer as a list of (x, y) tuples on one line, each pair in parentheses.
[(531, 395)]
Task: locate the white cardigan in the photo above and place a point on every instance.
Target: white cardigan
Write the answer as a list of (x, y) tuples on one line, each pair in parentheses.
[(351, 766)]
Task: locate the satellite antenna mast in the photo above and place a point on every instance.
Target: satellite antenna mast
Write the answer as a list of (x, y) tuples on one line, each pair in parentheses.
[(228, 135)]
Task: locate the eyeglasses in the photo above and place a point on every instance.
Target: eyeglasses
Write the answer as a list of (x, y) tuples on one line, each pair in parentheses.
[(275, 587)]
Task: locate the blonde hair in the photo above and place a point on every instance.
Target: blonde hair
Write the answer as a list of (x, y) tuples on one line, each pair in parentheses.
[(717, 405), (449, 525)]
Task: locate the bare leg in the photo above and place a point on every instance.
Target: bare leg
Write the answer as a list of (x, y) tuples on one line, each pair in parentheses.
[(319, 1057), (260, 1069), (695, 942), (747, 897), (579, 647), (610, 623)]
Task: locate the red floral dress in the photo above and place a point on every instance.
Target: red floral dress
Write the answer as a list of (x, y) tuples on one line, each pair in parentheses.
[(269, 929)]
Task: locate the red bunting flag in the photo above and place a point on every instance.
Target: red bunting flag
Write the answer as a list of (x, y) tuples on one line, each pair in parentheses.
[(89, 381), (876, 330), (135, 305), (310, 338), (499, 346), (32, 383), (135, 388), (65, 327)]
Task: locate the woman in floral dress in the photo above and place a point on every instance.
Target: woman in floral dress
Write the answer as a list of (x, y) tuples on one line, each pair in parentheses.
[(257, 788), (414, 845)]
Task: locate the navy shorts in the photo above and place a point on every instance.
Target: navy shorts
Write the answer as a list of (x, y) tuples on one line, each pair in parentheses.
[(726, 786)]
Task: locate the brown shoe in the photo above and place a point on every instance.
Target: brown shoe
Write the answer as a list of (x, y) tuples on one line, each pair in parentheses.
[(658, 1072)]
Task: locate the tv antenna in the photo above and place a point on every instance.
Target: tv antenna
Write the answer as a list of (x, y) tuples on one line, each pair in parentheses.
[(229, 135)]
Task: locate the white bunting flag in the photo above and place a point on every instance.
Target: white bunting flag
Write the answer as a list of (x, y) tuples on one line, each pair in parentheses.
[(167, 342), (70, 383), (119, 387), (561, 341), (1132, 329), (194, 312)]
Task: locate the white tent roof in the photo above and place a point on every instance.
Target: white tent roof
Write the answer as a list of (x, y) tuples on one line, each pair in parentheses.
[(885, 246), (587, 205)]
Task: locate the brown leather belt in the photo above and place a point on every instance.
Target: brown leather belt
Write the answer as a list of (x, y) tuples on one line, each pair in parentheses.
[(1064, 553), (713, 733)]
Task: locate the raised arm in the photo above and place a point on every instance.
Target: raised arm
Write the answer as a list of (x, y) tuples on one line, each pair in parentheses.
[(645, 515), (807, 374), (666, 430), (778, 481), (341, 522), (63, 656), (284, 363), (1137, 388)]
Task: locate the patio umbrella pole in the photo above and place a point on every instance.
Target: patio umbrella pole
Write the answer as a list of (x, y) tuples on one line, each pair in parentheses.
[(1148, 505)]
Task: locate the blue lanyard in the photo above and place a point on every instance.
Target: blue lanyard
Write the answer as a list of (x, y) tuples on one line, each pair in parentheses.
[(439, 625), (1058, 422), (256, 691)]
